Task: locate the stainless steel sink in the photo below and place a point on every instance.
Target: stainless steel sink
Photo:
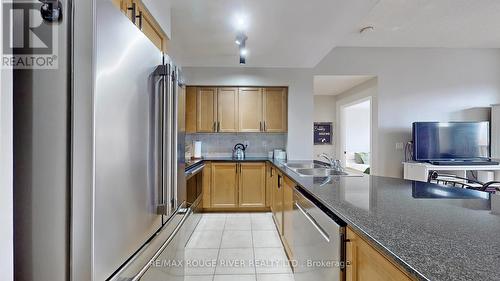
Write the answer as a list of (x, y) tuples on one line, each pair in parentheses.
[(322, 172), (295, 166), (311, 169)]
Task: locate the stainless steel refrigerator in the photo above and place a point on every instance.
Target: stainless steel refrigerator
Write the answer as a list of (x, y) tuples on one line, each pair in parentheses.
[(99, 187)]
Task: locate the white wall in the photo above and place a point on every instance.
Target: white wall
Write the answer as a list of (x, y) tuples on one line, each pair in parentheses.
[(419, 84), (6, 172), (300, 97), (161, 11), (324, 111), (357, 126)]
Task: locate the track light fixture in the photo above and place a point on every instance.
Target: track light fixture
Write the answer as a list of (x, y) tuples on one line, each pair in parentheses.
[(241, 40)]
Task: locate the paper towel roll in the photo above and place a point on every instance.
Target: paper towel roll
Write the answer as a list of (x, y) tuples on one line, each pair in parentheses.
[(197, 149)]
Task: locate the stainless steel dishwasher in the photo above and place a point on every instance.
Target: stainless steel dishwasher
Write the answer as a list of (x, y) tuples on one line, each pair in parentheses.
[(318, 244)]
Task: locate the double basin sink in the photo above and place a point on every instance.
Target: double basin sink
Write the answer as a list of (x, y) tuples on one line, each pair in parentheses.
[(311, 169)]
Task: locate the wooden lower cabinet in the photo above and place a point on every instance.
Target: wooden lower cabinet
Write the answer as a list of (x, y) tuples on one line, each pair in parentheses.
[(230, 185), (224, 185), (288, 202), (270, 172), (277, 207), (366, 263), (206, 184), (252, 185)]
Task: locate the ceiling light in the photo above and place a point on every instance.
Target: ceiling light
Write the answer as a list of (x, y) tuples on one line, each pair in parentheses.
[(243, 52), (241, 22)]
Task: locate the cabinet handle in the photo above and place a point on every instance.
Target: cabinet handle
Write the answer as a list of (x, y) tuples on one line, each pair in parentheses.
[(140, 20), (260, 126), (265, 126), (218, 126), (279, 181), (215, 126), (133, 15), (271, 170)]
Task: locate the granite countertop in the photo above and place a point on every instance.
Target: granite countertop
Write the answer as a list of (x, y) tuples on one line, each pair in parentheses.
[(194, 162), (434, 233)]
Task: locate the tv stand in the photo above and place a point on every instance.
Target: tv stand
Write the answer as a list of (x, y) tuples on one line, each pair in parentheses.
[(464, 163), (419, 171)]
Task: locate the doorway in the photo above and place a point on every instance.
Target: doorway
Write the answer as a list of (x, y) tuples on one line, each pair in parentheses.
[(356, 135)]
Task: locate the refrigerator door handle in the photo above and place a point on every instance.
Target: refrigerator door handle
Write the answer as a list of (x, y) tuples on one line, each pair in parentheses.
[(160, 209), (173, 134)]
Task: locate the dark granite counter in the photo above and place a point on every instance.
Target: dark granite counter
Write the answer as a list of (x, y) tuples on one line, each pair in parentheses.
[(434, 233), (194, 162)]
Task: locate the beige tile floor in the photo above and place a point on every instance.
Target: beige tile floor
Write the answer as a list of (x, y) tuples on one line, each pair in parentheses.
[(236, 247)]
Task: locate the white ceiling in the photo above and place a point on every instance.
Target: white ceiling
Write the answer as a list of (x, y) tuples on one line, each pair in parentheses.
[(281, 33), (430, 23), (298, 33), (337, 84)]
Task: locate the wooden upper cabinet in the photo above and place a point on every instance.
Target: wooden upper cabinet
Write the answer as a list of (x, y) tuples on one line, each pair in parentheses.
[(275, 110), (144, 21), (224, 185), (206, 109), (250, 110), (252, 184), (231, 109), (190, 110), (366, 263), (227, 110)]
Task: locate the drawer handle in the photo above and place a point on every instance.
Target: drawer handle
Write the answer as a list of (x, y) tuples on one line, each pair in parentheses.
[(313, 222)]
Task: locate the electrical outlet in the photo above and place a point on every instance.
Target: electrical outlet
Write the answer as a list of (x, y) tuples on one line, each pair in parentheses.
[(246, 143), (399, 146)]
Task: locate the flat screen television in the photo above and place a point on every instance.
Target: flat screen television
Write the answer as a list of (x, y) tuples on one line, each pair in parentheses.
[(451, 141)]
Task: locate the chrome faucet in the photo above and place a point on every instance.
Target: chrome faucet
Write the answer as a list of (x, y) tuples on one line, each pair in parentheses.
[(334, 163)]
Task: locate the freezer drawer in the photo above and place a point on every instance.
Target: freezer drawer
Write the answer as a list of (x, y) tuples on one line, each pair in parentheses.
[(162, 258), (318, 239)]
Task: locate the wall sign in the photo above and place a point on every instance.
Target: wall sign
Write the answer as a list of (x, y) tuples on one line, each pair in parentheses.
[(322, 132)]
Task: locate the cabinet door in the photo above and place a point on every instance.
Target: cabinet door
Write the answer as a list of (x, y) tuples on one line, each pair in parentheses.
[(366, 263), (144, 21), (250, 110), (227, 110), (206, 184), (190, 110), (207, 107), (288, 187), (150, 27), (224, 186), (269, 184), (275, 110), (278, 202), (252, 184)]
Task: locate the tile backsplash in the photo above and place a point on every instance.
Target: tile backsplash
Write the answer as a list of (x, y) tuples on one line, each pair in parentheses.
[(221, 144)]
